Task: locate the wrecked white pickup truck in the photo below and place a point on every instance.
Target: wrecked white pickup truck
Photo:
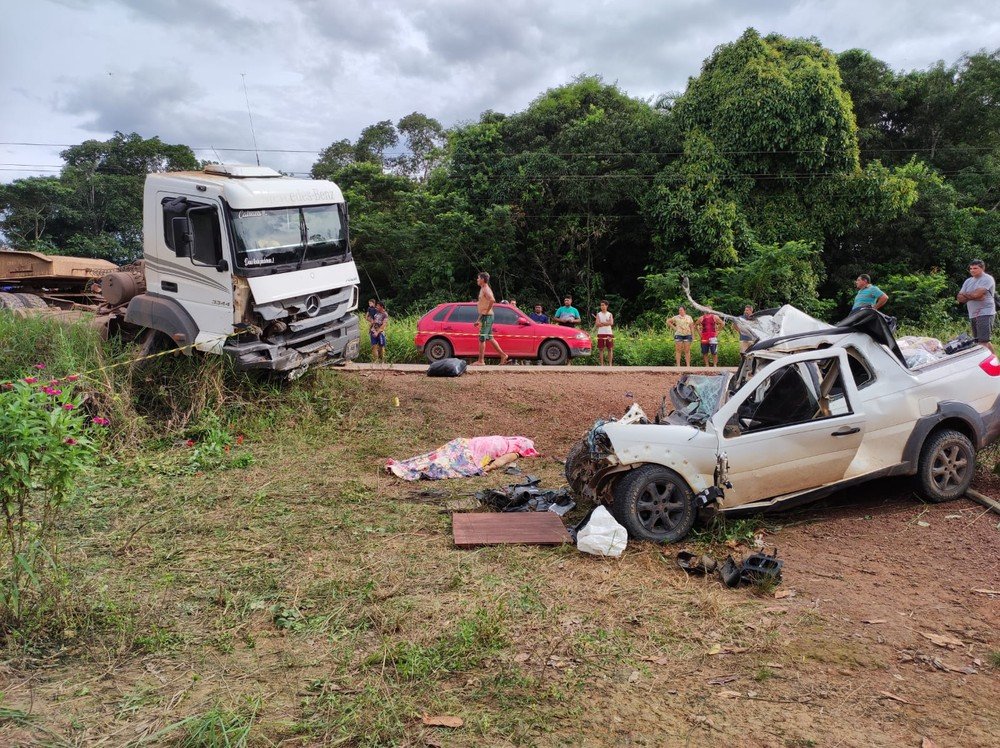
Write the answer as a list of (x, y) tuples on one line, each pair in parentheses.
[(813, 408)]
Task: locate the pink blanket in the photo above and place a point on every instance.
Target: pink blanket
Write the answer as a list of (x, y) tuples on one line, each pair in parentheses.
[(460, 458)]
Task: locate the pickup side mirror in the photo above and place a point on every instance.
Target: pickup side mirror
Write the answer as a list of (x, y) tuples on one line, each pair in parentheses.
[(180, 230)]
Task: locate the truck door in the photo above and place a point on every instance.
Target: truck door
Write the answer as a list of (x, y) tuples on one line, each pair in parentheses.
[(795, 426), (194, 266)]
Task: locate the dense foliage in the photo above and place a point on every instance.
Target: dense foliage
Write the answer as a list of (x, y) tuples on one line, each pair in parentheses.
[(781, 173)]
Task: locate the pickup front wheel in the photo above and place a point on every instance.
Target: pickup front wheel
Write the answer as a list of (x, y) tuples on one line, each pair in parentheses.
[(947, 463), (654, 503)]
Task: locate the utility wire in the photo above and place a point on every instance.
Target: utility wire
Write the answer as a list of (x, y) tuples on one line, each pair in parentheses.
[(316, 151)]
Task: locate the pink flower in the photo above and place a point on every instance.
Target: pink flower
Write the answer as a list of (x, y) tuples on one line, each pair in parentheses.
[(68, 406), (70, 440), (30, 380), (40, 367), (7, 386), (189, 443), (239, 439), (98, 421), (72, 377)]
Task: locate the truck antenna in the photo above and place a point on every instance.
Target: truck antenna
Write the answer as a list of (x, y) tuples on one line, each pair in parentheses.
[(250, 116)]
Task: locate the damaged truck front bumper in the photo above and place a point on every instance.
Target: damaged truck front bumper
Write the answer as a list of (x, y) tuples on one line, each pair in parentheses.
[(332, 344)]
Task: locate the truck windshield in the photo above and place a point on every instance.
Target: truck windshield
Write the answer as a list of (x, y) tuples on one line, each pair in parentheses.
[(282, 236)]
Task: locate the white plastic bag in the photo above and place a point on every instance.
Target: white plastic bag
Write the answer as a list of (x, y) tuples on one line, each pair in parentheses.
[(602, 535)]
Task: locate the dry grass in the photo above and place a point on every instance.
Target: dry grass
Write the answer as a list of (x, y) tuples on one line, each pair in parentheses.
[(309, 599)]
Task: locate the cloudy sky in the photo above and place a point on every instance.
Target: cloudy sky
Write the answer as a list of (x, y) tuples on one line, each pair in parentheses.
[(320, 70)]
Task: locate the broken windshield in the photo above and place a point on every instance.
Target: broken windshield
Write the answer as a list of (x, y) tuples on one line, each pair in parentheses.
[(696, 396), (284, 236)]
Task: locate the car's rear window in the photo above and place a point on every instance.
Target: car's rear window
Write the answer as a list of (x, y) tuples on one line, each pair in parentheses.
[(464, 313), (442, 313)]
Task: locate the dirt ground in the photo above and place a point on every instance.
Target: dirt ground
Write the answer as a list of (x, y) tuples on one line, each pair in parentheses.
[(872, 568), (331, 596)]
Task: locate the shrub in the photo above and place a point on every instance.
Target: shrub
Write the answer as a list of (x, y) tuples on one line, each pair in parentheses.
[(48, 440)]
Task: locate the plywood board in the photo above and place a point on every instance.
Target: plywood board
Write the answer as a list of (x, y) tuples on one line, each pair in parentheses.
[(499, 528)]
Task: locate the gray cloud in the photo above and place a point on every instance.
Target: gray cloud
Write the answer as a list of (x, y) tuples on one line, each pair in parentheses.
[(318, 71)]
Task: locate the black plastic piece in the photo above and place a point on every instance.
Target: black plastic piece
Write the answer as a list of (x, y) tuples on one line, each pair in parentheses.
[(758, 568), (731, 572), (694, 563), (960, 343)]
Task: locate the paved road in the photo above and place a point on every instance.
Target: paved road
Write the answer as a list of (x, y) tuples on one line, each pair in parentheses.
[(509, 369)]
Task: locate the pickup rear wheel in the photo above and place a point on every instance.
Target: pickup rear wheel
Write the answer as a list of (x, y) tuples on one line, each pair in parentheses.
[(437, 349), (947, 463), (654, 503), (553, 353)]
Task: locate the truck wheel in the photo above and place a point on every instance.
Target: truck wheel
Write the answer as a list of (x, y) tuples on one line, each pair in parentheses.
[(654, 503), (10, 301), (947, 464), (31, 301), (553, 353), (437, 349)]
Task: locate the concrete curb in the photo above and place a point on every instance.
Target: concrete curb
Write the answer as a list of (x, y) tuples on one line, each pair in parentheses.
[(509, 369)]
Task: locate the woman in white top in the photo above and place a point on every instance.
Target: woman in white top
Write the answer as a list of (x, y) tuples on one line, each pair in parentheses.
[(605, 333)]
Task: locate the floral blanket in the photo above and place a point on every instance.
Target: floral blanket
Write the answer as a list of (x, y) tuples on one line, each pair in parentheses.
[(461, 458)]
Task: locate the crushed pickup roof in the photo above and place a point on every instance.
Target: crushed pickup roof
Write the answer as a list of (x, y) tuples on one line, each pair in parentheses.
[(781, 326)]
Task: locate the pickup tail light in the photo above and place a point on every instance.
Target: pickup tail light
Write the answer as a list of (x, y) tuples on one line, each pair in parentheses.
[(991, 366)]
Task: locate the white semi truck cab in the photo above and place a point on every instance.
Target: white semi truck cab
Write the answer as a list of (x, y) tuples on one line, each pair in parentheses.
[(243, 261)]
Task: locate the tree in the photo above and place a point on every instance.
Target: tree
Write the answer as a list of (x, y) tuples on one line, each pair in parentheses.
[(425, 140), (374, 141), (94, 208), (30, 207), (336, 156)]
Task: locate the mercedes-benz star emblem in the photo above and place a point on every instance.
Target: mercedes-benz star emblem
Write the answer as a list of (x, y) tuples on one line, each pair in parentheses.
[(312, 305)]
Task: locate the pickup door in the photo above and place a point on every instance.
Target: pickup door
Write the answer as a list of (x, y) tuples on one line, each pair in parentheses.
[(793, 427)]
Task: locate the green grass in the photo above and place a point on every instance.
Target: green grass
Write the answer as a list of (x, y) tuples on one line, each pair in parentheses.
[(216, 728), (335, 598)]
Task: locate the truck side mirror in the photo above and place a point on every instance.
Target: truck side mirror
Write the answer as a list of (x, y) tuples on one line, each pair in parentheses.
[(180, 229), (222, 266)]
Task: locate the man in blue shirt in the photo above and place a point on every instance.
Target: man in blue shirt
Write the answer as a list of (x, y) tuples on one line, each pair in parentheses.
[(567, 314), (539, 316), (868, 295)]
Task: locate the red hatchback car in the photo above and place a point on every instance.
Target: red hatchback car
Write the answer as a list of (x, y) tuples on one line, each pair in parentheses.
[(449, 330)]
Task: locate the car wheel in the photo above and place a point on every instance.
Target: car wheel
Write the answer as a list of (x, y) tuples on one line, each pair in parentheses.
[(553, 353), (437, 349), (654, 503), (947, 464)]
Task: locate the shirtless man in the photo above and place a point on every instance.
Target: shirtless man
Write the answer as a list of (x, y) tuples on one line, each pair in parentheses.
[(485, 322)]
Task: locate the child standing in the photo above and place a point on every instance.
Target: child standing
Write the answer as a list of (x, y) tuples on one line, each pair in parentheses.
[(605, 333), (376, 333)]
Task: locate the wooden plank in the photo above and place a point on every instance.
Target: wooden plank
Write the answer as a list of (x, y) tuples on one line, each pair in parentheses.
[(499, 528)]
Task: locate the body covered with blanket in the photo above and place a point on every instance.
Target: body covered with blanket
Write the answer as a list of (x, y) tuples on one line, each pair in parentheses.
[(461, 458)]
